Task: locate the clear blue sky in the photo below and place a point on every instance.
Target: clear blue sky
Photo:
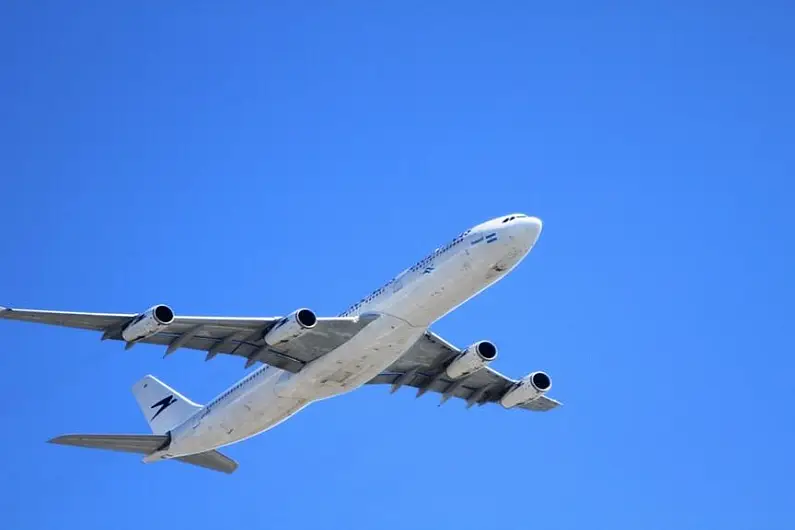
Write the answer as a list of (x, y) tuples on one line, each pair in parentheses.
[(241, 159)]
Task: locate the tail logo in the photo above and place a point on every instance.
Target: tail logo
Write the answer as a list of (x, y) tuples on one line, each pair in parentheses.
[(163, 404)]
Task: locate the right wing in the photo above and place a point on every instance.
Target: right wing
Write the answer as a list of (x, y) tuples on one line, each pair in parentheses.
[(244, 337), (423, 365)]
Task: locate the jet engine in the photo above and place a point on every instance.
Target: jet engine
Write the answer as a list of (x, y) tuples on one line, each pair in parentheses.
[(472, 359), (530, 387), (290, 327), (151, 321)]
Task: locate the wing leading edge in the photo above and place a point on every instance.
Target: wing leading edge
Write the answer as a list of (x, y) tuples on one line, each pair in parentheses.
[(423, 367), (243, 336)]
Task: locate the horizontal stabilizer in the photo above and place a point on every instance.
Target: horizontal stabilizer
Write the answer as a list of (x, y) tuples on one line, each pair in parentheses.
[(211, 460), (143, 444)]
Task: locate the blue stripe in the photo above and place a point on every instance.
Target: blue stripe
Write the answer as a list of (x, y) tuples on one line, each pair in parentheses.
[(476, 241)]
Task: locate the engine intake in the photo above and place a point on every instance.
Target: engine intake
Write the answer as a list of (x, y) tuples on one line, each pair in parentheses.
[(152, 321), (290, 327), (306, 318), (472, 359), (529, 388)]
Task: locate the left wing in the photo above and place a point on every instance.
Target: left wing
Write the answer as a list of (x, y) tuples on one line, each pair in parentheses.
[(423, 367), (244, 337)]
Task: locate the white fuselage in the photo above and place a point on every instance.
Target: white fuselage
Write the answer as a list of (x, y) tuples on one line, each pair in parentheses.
[(408, 304)]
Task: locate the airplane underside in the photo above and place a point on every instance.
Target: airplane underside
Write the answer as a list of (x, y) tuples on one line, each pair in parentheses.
[(382, 339), (280, 394)]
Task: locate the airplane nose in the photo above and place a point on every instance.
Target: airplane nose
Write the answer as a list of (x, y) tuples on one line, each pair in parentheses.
[(530, 229), (534, 226)]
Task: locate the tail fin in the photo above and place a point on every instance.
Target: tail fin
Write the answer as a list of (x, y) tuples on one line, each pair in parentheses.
[(163, 407)]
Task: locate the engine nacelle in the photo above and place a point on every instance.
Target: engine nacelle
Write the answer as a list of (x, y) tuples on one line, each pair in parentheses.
[(472, 359), (530, 387), (290, 327), (151, 321)]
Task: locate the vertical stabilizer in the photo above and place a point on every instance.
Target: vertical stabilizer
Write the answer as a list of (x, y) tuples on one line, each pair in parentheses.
[(163, 407)]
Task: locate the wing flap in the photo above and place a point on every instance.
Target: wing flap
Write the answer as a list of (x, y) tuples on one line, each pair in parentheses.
[(541, 404)]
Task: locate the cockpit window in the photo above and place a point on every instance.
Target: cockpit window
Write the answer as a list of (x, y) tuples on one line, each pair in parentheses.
[(511, 218)]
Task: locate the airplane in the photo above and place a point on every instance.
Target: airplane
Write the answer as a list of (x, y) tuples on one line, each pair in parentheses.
[(383, 338)]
